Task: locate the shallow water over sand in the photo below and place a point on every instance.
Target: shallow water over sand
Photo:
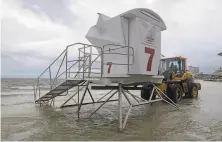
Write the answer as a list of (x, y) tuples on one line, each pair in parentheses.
[(199, 119)]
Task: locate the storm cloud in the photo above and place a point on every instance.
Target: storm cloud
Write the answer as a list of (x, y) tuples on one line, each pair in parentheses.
[(34, 33)]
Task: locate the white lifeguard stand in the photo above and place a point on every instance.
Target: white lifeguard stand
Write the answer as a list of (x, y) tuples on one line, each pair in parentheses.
[(131, 44), (129, 49)]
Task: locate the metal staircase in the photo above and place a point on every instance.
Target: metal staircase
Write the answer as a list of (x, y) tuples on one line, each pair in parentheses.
[(65, 86), (66, 72)]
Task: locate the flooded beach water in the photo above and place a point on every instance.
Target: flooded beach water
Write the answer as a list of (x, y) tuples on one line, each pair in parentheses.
[(198, 119)]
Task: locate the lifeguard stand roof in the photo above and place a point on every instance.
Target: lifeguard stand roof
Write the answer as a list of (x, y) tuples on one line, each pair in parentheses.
[(147, 15)]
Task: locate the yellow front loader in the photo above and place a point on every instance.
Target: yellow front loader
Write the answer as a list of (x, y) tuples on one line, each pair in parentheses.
[(174, 85)]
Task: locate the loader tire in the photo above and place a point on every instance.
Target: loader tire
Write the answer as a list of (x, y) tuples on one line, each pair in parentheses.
[(175, 94), (146, 92), (193, 92)]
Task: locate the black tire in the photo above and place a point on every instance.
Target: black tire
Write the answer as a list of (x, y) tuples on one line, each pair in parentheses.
[(146, 92), (175, 94), (192, 93)]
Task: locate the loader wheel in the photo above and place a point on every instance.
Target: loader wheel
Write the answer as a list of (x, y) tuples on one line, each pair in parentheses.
[(175, 94), (146, 92), (194, 92)]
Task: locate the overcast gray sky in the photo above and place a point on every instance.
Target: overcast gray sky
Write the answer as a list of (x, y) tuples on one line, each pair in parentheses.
[(34, 32)]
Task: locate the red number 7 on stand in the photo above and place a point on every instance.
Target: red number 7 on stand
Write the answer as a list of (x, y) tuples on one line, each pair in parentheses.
[(150, 51)]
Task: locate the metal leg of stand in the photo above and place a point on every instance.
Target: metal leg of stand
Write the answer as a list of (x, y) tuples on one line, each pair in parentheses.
[(71, 97), (127, 115), (125, 95), (74, 100), (82, 99), (152, 94), (104, 95), (90, 95), (172, 104), (103, 103), (120, 108), (53, 103), (78, 102), (133, 97), (136, 96)]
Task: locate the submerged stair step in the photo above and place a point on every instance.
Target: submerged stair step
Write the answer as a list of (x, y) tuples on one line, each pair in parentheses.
[(72, 82), (47, 96), (62, 87), (42, 100), (57, 91)]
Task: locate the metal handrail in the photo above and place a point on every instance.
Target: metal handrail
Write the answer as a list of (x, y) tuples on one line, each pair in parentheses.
[(102, 49), (128, 54), (66, 52), (51, 64), (88, 65), (67, 69)]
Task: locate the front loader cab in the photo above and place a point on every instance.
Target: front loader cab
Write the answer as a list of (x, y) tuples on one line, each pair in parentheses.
[(176, 65)]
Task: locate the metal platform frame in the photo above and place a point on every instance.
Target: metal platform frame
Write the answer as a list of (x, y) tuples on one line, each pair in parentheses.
[(81, 80), (121, 91)]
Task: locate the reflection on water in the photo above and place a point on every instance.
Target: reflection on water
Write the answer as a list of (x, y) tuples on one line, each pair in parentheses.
[(198, 119)]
